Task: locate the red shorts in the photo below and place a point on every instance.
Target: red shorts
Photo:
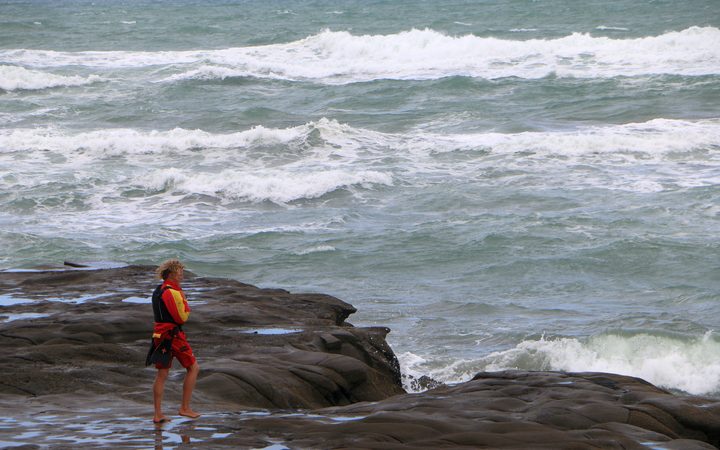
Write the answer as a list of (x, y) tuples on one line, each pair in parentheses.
[(181, 350)]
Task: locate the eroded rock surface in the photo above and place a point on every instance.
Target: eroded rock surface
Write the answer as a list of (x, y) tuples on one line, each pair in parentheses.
[(518, 410), (285, 370), (89, 331)]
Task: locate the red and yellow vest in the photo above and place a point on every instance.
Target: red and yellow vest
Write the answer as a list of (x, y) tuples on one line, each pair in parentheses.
[(173, 309)]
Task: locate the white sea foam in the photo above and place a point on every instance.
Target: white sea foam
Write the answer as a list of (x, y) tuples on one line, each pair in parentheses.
[(18, 78), (207, 72), (313, 159), (129, 141), (316, 249), (273, 185), (691, 366), (99, 59), (411, 369), (607, 28), (338, 57), (656, 137)]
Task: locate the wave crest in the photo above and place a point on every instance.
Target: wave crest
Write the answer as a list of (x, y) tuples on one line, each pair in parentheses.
[(683, 152), (689, 365), (18, 78), (653, 138), (338, 57), (276, 186), (130, 141)]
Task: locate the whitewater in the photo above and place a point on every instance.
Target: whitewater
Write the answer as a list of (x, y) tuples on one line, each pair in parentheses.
[(338, 57), (504, 185)]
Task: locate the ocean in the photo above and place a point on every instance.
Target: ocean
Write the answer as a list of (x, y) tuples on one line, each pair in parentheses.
[(529, 184)]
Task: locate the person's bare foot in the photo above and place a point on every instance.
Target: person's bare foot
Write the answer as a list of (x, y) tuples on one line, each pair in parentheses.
[(189, 413), (161, 419)]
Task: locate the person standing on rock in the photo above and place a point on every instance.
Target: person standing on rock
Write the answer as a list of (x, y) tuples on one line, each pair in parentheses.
[(171, 311)]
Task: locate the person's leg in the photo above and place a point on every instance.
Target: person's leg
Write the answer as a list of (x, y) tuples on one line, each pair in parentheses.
[(188, 386), (158, 389)]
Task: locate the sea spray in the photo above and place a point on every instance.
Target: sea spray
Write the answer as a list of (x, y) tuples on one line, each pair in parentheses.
[(689, 365)]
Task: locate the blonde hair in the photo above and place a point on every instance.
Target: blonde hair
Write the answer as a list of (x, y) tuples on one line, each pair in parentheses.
[(170, 266)]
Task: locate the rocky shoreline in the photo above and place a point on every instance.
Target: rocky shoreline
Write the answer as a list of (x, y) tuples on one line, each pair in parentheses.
[(282, 370)]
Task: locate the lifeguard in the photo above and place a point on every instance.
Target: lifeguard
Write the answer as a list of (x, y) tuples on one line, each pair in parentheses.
[(171, 311)]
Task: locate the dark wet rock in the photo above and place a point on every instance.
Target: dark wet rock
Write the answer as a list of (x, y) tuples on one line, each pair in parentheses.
[(288, 370), (92, 340), (514, 409)]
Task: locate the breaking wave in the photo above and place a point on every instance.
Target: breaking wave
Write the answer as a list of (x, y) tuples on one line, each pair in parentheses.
[(339, 57), (272, 185), (689, 365), (692, 366), (18, 78), (309, 160), (653, 138), (129, 141)]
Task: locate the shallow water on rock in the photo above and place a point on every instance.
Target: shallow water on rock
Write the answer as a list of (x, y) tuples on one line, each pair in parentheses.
[(21, 316), (273, 331), (140, 300), (106, 428), (9, 300)]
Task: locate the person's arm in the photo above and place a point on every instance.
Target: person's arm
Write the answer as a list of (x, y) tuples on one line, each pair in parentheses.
[(176, 305)]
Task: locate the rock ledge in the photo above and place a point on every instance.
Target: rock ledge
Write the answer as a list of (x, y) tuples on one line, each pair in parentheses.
[(287, 370)]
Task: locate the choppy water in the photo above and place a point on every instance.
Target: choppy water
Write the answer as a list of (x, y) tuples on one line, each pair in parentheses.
[(531, 184)]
